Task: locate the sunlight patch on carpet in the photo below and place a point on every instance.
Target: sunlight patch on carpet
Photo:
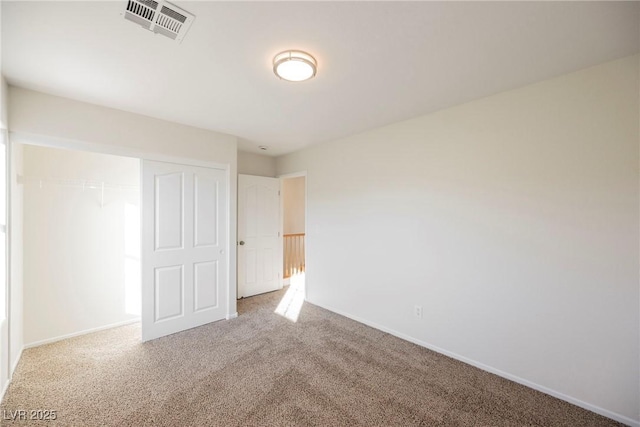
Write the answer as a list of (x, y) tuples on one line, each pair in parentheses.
[(293, 299)]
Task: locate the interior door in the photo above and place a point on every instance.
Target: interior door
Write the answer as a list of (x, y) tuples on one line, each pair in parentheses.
[(184, 241), (259, 240)]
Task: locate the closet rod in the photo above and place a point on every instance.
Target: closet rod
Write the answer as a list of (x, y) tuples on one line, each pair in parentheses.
[(84, 184)]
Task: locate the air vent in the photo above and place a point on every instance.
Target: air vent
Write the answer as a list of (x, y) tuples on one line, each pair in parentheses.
[(161, 17)]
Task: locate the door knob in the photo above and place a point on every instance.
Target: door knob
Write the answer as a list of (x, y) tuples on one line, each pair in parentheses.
[(241, 242)]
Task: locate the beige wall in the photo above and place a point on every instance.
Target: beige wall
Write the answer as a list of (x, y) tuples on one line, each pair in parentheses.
[(256, 164), (86, 248), (45, 119), (40, 114), (293, 205), (512, 220)]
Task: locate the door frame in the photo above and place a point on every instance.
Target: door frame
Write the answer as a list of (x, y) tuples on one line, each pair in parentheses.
[(282, 177), (5, 325), (141, 154)]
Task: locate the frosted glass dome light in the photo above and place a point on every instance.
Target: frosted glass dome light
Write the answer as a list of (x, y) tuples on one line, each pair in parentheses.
[(294, 65)]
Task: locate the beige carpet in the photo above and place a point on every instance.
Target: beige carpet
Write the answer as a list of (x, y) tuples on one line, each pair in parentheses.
[(264, 370)]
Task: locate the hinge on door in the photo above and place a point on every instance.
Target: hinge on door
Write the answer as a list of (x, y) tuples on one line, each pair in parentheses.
[(278, 192)]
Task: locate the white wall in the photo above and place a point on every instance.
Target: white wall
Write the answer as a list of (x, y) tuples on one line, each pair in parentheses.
[(256, 164), (40, 118), (293, 205), (86, 249), (512, 220)]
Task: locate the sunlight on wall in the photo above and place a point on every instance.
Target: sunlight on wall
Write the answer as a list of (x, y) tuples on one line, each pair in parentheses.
[(291, 303), (132, 279)]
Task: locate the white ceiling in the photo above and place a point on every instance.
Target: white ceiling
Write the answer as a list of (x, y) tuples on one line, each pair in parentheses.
[(379, 62)]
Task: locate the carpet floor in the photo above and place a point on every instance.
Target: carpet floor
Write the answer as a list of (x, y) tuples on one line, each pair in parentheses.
[(262, 369)]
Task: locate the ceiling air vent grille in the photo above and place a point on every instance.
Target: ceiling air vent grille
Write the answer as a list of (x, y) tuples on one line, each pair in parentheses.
[(161, 17)]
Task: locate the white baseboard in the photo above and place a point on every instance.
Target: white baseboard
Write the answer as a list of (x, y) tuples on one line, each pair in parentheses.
[(84, 332), (232, 316), (13, 369), (4, 389), (15, 363), (601, 411)]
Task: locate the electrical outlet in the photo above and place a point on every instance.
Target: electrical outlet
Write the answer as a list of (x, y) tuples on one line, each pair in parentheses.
[(417, 311)]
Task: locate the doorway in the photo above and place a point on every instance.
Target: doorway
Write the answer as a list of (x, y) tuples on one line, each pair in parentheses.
[(294, 228), (81, 221), (294, 244)]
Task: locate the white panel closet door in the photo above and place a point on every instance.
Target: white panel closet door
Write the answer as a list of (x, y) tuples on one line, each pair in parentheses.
[(184, 236), (259, 240)]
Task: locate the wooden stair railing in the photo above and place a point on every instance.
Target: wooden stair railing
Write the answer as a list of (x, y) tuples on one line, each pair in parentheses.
[(293, 254)]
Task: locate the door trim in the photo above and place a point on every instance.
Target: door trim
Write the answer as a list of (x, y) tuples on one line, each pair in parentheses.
[(8, 282)]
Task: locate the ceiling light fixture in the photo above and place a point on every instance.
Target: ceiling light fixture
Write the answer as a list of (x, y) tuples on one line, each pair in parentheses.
[(294, 65)]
